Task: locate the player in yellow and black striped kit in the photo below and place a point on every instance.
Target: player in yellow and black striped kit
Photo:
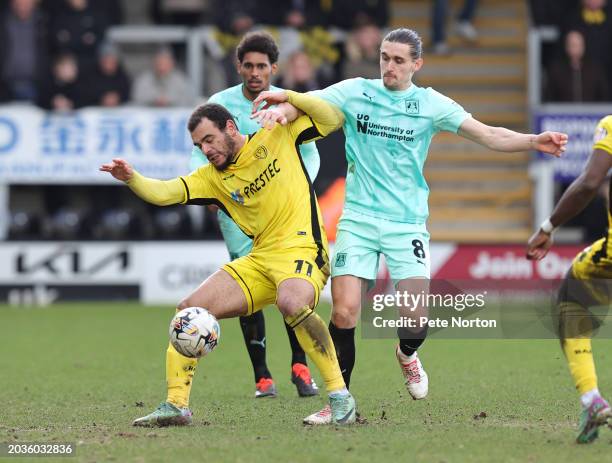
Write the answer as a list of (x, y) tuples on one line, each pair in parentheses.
[(587, 284), (260, 181)]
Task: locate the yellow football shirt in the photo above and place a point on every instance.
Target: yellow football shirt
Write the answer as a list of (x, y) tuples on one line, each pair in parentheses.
[(603, 141), (266, 189)]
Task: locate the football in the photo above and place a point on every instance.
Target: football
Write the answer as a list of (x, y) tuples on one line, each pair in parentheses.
[(194, 332)]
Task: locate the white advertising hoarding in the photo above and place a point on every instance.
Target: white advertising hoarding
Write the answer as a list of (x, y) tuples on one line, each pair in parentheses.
[(45, 147)]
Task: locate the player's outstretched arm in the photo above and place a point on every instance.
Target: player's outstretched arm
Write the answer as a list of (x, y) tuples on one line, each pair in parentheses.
[(158, 192), (576, 197), (325, 115), (502, 139), (266, 116)]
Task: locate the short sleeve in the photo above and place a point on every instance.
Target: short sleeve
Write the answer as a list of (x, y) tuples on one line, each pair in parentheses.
[(335, 94), (603, 135), (215, 98), (303, 130), (449, 115)]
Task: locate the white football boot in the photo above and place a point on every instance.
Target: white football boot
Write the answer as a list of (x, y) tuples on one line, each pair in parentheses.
[(417, 382), (323, 416)]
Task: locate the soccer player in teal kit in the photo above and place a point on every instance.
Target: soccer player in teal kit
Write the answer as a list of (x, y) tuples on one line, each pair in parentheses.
[(389, 124), (257, 56)]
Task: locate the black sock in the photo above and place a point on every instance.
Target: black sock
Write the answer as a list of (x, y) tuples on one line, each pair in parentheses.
[(409, 343), (344, 340), (297, 353), (254, 332)]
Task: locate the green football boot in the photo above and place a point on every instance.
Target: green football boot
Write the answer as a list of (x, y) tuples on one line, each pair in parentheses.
[(342, 409), (591, 418), (165, 414)]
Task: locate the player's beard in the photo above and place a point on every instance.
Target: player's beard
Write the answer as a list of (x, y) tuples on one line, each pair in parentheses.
[(229, 151)]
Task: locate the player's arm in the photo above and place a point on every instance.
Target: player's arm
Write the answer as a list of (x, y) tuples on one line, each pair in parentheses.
[(158, 192), (326, 116), (575, 199), (502, 139)]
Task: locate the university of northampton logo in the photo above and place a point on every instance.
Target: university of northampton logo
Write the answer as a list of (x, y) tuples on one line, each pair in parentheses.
[(261, 152), (412, 106), (237, 196)]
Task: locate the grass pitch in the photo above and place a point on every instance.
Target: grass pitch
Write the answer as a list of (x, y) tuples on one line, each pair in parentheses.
[(82, 372)]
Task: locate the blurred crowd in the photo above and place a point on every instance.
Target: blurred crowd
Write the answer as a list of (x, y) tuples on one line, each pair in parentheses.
[(579, 64), (56, 54)]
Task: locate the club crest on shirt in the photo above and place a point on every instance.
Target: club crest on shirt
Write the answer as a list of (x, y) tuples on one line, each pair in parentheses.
[(412, 106), (341, 259), (237, 196), (261, 152), (600, 134)]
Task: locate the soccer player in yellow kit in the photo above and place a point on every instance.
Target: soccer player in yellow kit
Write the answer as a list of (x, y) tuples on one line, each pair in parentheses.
[(259, 181), (587, 283)]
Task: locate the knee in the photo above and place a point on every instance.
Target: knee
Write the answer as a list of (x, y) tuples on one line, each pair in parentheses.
[(345, 314), (287, 304)]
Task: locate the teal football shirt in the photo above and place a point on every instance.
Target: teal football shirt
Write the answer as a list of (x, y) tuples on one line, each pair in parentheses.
[(388, 134)]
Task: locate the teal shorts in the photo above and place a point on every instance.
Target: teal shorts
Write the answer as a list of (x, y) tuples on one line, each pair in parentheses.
[(361, 239), (238, 244)]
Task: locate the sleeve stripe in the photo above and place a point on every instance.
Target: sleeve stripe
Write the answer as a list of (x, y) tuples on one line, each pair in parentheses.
[(187, 196), (308, 133), (603, 146), (220, 205)]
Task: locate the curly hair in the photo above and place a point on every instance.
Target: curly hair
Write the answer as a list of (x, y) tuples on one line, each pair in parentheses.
[(259, 41)]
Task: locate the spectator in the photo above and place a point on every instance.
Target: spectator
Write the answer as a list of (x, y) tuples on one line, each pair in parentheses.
[(64, 91), (23, 52), (550, 12), (363, 52), (164, 85), (463, 26), (236, 17), (300, 74), (78, 27), (347, 14), (110, 86), (593, 19), (298, 14), (574, 77), (185, 12), (110, 9)]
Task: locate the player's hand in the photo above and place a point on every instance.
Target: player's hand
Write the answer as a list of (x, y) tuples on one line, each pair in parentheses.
[(538, 245), (269, 99), (268, 118), (551, 142), (119, 169)]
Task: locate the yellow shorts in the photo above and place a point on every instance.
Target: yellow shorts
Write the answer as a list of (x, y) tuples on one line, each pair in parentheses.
[(260, 273), (593, 262), (589, 281)]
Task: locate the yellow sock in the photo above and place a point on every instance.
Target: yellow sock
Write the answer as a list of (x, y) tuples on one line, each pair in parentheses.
[(316, 341), (576, 326), (179, 376), (580, 361)]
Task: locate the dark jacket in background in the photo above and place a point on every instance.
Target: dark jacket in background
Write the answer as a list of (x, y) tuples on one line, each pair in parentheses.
[(41, 53), (103, 83), (564, 84)]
